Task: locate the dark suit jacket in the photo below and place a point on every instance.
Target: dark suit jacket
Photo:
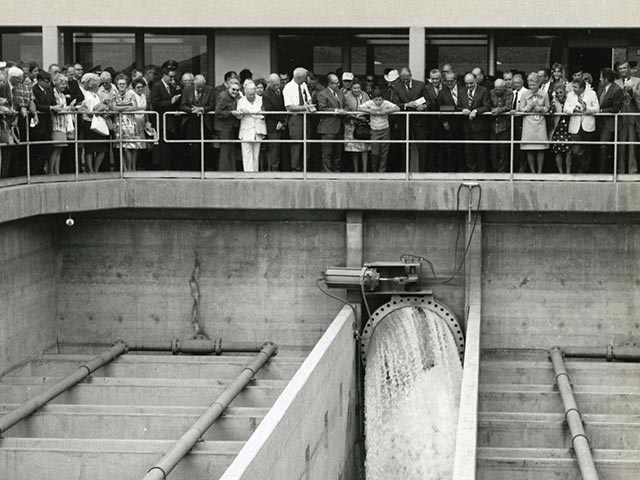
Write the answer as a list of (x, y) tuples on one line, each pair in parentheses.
[(482, 103), (327, 102), (73, 92), (447, 104), (161, 101), (44, 100), (225, 120), (611, 103), (206, 100), (403, 95), (273, 101)]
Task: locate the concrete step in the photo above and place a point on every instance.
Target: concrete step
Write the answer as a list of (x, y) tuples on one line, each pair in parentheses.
[(545, 399), (541, 372), (99, 459), (553, 464), (542, 430), (132, 422), (142, 391), (162, 366)]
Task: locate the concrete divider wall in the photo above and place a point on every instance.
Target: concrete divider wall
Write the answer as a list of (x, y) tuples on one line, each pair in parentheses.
[(312, 424), (27, 290), (129, 278), (550, 283)]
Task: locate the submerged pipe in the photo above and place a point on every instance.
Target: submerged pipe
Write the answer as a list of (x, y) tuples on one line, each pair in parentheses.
[(32, 405), (166, 465), (573, 417), (196, 347), (628, 353)]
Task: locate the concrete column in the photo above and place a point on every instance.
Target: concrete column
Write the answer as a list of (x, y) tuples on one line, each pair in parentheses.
[(417, 52), (492, 52), (50, 45), (355, 239)]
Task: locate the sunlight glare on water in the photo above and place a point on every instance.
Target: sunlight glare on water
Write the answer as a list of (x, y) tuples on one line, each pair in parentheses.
[(412, 394)]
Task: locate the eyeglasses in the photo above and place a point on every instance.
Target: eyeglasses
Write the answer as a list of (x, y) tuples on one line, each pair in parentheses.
[(235, 89)]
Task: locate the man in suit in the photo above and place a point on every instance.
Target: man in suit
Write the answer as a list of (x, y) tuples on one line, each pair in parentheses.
[(273, 101), (501, 100), (197, 101), (451, 124), (45, 102), (582, 103), (396, 150), (474, 101), (610, 98), (165, 99), (331, 99), (297, 100), (629, 125), (411, 96)]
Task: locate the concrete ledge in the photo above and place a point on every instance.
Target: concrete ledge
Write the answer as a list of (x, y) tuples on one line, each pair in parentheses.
[(417, 195)]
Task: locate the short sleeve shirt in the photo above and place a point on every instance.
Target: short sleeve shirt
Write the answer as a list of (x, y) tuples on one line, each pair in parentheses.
[(291, 95)]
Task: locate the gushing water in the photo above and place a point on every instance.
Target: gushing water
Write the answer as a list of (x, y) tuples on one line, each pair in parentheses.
[(412, 396)]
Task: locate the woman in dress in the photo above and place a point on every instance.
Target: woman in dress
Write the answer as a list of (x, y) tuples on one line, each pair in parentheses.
[(141, 119), (560, 131), (126, 130), (534, 126), (92, 105), (352, 100), (252, 127), (62, 123)]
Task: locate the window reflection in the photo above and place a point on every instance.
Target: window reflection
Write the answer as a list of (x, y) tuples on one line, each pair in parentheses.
[(390, 56), (326, 58), (190, 51), (22, 46), (97, 51), (526, 52)]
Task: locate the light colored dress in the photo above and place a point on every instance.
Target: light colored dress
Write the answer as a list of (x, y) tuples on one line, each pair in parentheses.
[(534, 127), (60, 122), (140, 119), (351, 104)]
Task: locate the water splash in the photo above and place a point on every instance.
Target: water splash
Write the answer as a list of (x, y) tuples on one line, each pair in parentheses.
[(412, 397)]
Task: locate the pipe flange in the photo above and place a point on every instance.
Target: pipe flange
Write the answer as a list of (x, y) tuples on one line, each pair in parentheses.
[(397, 302)]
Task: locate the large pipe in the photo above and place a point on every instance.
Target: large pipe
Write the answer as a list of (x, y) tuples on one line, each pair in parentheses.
[(166, 465), (627, 353), (573, 417), (196, 347), (32, 405)]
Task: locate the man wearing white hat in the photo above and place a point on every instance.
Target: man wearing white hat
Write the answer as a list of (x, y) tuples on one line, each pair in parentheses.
[(396, 150), (347, 82)]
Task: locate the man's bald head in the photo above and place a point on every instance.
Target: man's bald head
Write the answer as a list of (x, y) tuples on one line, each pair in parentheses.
[(274, 79)]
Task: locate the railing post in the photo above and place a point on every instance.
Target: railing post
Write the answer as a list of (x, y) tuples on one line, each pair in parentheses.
[(28, 151), (202, 144), (119, 132), (615, 148), (511, 147), (304, 145), (407, 154), (76, 146)]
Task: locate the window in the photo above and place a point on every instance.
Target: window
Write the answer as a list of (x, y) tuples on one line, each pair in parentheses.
[(24, 47), (190, 51), (326, 58), (390, 56), (527, 53), (464, 51), (359, 60), (102, 50)]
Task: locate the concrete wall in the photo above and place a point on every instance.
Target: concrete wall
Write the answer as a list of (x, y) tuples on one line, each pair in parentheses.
[(312, 424), (236, 50), (546, 284), (27, 290), (431, 235), (129, 278), (253, 13)]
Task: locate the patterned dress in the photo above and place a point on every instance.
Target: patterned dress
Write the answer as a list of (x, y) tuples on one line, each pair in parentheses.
[(561, 131), (352, 103), (125, 123)]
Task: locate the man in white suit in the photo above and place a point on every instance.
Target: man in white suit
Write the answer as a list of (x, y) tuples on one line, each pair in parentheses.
[(582, 104)]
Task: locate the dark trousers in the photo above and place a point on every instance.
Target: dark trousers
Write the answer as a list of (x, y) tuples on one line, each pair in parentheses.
[(296, 123), (453, 152), (274, 150), (227, 161), (380, 151), (605, 159), (499, 152), (5, 160), (475, 154), (629, 131), (331, 153)]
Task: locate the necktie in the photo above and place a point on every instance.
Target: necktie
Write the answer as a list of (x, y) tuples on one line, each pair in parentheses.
[(300, 97), (470, 95), (454, 95), (602, 95), (515, 100)]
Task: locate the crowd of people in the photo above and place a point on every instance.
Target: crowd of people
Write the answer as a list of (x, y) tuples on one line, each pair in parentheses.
[(107, 119)]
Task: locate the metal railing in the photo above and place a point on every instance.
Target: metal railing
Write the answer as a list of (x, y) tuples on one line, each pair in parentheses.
[(402, 119)]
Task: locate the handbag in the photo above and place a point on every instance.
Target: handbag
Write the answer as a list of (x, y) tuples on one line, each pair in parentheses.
[(362, 131), (99, 125)]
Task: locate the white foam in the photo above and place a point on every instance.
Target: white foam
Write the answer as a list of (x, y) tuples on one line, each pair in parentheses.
[(412, 397)]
